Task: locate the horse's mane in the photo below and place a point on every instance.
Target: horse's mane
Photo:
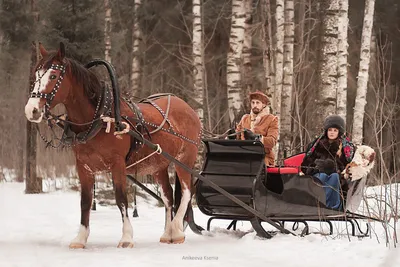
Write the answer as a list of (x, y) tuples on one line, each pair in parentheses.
[(91, 83)]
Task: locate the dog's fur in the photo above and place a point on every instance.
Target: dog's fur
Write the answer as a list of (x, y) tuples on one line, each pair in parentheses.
[(362, 163)]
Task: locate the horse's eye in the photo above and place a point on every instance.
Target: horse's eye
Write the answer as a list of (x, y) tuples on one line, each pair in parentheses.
[(53, 76)]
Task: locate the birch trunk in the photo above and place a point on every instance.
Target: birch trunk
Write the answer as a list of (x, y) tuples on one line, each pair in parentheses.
[(234, 93), (342, 58), (286, 105), (279, 36), (198, 55), (247, 78), (107, 31), (362, 81), (136, 35), (328, 70)]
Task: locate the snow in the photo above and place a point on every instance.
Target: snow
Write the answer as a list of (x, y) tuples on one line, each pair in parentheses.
[(35, 230)]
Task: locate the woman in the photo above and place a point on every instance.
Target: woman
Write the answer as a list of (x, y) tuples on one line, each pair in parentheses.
[(327, 156)]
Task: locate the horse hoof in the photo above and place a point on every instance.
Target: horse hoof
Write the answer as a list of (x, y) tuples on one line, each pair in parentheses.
[(178, 240), (76, 246), (125, 245), (165, 240)]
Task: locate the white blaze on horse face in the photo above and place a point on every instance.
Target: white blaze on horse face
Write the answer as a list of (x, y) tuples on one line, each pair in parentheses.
[(33, 112)]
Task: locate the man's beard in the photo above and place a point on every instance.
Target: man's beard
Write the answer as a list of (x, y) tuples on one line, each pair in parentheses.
[(256, 110)]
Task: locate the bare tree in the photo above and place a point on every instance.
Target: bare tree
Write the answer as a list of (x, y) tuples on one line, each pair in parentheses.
[(279, 37), (107, 31), (268, 47), (198, 59), (286, 105), (247, 45), (362, 82), (234, 59), (328, 70), (136, 35), (33, 183), (343, 23)]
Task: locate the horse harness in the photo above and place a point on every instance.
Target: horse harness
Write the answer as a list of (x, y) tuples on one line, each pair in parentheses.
[(104, 110), (103, 114)]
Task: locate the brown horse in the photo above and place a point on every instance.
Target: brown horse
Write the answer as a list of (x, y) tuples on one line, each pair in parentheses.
[(59, 79)]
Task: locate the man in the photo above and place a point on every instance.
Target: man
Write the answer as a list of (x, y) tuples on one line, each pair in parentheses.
[(260, 122)]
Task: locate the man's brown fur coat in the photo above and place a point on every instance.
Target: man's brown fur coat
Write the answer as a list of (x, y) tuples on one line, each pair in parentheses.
[(266, 125)]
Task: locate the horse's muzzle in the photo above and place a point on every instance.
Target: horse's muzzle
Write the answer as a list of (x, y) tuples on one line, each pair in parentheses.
[(33, 114)]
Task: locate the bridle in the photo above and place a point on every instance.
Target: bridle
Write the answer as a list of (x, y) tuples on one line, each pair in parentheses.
[(48, 96), (60, 120)]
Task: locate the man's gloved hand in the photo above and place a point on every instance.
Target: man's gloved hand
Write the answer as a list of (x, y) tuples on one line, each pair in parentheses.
[(325, 165), (231, 134), (249, 135)]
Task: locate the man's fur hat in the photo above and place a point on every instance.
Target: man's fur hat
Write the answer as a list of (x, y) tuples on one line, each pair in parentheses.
[(259, 96), (335, 121)]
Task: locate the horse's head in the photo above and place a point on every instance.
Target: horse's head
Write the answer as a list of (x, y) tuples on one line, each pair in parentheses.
[(47, 89)]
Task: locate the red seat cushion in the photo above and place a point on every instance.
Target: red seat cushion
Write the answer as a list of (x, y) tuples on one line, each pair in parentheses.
[(294, 161), (283, 170)]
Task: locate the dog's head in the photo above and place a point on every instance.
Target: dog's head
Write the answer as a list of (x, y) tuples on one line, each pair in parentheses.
[(362, 163)]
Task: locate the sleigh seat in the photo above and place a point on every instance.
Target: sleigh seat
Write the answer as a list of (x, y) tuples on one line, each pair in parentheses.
[(291, 165)]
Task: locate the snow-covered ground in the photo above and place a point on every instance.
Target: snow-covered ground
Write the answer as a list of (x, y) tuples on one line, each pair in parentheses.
[(35, 230)]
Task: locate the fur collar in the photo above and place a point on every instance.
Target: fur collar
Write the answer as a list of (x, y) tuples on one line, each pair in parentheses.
[(256, 118), (332, 148)]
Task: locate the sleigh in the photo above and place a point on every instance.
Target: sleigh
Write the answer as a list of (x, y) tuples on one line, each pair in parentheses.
[(279, 193)]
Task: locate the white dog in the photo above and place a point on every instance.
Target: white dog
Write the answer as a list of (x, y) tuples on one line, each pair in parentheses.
[(362, 163)]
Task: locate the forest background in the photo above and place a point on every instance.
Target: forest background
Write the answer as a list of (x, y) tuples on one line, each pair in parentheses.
[(312, 58)]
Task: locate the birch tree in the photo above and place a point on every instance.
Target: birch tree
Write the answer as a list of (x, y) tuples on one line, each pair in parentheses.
[(328, 69), (107, 31), (279, 37), (286, 105), (343, 23), (198, 62), (235, 98), (362, 82), (136, 35)]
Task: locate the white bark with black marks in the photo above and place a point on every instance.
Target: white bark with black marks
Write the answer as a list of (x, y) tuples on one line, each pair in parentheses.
[(287, 88), (279, 36), (342, 58), (329, 63), (362, 82), (198, 60), (136, 35), (234, 59), (107, 31)]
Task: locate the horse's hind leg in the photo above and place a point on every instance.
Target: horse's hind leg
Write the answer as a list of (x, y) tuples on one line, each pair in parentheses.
[(178, 236), (87, 180), (119, 178), (166, 195)]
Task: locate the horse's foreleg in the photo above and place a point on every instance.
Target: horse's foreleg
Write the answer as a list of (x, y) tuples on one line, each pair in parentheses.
[(166, 195), (177, 235), (119, 177), (87, 180)]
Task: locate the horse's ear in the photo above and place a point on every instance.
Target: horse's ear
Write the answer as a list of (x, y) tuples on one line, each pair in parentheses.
[(42, 50), (61, 51)]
